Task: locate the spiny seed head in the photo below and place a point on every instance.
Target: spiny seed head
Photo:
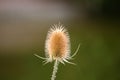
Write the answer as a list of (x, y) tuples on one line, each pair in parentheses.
[(57, 46)]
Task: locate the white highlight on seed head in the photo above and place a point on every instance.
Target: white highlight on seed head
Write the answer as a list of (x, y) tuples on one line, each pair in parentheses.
[(57, 47)]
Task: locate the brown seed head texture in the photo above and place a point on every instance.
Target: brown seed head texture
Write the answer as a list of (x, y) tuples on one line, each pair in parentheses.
[(57, 43)]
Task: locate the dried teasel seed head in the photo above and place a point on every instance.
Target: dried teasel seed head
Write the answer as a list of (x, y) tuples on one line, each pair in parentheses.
[(57, 46)]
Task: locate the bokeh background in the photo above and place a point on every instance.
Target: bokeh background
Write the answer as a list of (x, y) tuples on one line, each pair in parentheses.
[(95, 24)]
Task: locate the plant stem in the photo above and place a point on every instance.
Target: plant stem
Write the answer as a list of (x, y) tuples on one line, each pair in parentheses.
[(55, 68)]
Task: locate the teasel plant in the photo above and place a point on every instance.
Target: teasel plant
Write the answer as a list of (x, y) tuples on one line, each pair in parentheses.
[(57, 48)]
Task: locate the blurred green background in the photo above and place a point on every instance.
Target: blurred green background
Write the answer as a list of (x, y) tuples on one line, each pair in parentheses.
[(95, 25)]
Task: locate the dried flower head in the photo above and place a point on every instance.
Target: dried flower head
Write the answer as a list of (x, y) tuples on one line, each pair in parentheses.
[(57, 47)]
